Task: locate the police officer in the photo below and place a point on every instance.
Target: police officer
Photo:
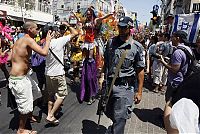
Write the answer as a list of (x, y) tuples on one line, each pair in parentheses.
[(120, 102)]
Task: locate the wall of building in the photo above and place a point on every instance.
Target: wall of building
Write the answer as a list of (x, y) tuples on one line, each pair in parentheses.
[(186, 6), (18, 13), (71, 5), (169, 8), (192, 2)]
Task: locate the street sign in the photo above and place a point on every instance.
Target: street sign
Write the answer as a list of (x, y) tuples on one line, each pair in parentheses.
[(155, 8)]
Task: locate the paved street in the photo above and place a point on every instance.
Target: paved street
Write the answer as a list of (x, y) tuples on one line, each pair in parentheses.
[(78, 118)]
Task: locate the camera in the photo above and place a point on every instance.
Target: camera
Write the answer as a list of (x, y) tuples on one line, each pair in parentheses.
[(53, 28), (158, 56)]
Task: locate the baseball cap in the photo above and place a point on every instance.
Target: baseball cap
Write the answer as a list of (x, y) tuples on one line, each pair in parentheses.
[(181, 34), (125, 21)]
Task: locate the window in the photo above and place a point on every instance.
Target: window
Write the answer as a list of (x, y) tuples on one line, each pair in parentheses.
[(196, 7), (62, 6)]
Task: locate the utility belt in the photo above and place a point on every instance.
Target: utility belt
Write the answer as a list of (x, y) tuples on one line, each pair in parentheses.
[(130, 80)]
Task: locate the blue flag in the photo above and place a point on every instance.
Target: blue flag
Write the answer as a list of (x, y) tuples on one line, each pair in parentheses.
[(188, 23)]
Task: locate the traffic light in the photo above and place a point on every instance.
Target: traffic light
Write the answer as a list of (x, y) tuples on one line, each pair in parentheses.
[(154, 18)]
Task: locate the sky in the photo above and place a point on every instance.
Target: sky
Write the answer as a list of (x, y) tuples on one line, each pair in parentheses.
[(142, 7)]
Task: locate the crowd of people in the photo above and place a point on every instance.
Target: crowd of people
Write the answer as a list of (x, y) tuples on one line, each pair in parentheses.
[(95, 57)]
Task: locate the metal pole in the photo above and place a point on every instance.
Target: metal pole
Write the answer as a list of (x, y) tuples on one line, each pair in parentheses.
[(54, 11), (22, 10), (162, 15)]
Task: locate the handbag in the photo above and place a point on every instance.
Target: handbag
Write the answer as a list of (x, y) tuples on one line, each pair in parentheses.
[(37, 59), (65, 65)]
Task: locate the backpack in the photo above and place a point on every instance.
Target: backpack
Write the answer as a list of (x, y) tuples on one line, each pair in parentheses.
[(194, 65), (189, 88)]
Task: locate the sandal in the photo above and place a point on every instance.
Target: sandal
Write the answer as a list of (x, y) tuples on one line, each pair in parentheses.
[(91, 101), (54, 121), (32, 132), (28, 132)]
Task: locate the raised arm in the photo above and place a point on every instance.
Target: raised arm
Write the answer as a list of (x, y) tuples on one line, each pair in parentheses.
[(35, 47), (99, 20), (72, 30)]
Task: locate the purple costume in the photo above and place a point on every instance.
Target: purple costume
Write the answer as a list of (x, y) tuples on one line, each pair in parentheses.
[(89, 86)]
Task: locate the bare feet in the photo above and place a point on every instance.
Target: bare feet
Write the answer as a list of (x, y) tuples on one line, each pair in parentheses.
[(33, 119), (25, 131)]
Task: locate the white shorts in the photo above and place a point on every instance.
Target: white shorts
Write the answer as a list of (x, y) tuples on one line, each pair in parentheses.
[(88, 45), (25, 89)]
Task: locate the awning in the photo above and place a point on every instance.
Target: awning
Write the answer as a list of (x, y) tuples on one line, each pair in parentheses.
[(20, 19)]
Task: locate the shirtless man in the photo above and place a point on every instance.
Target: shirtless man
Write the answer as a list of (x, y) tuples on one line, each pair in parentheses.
[(20, 84)]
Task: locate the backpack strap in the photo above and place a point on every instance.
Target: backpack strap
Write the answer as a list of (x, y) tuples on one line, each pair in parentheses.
[(56, 57), (188, 54), (191, 57)]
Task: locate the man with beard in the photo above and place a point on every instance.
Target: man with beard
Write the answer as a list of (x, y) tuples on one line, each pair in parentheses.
[(119, 107)]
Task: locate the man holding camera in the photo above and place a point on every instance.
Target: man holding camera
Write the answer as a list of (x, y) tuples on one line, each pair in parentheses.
[(179, 63), (55, 75), (119, 107)]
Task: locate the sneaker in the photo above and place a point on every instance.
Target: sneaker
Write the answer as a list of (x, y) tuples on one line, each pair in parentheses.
[(91, 101)]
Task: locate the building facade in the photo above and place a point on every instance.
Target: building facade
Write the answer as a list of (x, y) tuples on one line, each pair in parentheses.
[(186, 6), (64, 7), (22, 10), (195, 6)]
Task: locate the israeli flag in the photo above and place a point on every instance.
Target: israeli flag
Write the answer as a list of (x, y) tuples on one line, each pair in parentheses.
[(189, 23)]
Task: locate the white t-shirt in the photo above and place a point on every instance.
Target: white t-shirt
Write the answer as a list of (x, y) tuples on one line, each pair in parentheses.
[(53, 66)]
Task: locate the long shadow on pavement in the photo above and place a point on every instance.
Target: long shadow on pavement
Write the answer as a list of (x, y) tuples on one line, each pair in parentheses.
[(75, 87), (154, 116), (90, 127)]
